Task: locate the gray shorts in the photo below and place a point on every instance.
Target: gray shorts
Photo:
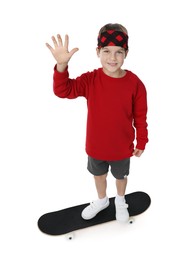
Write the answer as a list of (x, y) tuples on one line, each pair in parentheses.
[(119, 169)]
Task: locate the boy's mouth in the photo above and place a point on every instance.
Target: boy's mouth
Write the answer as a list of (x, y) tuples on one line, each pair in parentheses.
[(112, 64)]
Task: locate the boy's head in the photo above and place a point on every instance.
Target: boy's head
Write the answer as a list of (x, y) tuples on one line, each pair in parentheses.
[(113, 34), (112, 48)]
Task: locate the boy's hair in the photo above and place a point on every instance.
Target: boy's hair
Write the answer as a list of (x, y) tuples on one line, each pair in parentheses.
[(113, 26), (113, 34)]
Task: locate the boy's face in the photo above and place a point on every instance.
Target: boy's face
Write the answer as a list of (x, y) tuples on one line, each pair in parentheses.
[(112, 58)]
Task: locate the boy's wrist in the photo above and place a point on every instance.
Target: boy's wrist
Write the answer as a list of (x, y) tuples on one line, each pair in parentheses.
[(61, 67)]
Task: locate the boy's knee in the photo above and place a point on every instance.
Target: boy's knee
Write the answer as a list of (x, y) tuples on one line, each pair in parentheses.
[(100, 177)]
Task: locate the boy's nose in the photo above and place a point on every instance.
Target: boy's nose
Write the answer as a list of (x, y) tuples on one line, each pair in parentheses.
[(113, 56)]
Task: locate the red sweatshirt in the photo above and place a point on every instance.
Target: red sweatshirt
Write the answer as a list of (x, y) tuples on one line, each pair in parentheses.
[(117, 109)]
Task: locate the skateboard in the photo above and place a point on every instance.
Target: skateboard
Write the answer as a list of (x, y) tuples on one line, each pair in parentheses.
[(66, 221)]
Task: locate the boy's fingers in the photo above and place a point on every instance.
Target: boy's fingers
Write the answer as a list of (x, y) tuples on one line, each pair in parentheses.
[(137, 152), (49, 47), (73, 51), (54, 41), (66, 42), (59, 40)]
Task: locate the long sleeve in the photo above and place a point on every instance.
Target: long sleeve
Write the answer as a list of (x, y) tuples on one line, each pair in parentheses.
[(64, 87), (140, 116)]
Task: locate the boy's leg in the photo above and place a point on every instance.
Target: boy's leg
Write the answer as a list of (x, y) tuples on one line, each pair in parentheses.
[(99, 169), (122, 213), (101, 185), (121, 185), (120, 170)]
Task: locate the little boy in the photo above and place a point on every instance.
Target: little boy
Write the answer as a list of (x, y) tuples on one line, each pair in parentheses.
[(117, 112)]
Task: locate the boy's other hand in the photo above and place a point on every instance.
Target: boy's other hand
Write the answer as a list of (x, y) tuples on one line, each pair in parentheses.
[(138, 152)]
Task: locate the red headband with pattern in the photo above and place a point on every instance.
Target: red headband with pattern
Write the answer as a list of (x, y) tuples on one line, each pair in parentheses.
[(113, 38)]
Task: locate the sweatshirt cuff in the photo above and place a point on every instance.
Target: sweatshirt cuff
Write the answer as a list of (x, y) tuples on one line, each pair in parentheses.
[(140, 146)]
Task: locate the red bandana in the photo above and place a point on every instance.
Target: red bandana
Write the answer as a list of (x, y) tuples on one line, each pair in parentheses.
[(113, 38)]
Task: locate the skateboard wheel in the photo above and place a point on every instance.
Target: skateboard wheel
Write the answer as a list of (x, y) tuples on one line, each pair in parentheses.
[(131, 220), (69, 236)]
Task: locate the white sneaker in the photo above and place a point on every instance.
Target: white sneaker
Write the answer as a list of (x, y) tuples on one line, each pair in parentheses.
[(93, 209), (122, 213)]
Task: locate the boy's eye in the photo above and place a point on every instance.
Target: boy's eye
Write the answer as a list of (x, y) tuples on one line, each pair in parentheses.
[(120, 52)]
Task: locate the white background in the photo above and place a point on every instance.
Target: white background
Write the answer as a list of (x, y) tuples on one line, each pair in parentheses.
[(42, 137)]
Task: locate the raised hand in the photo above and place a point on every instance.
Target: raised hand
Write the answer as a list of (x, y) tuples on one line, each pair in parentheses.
[(60, 51)]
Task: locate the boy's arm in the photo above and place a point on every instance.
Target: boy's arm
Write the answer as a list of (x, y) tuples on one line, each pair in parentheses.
[(140, 118), (63, 86)]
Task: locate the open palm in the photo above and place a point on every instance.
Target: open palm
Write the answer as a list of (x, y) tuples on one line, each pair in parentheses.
[(60, 50)]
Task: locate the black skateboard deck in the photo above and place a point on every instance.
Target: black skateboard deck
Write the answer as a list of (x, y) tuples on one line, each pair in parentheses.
[(69, 219)]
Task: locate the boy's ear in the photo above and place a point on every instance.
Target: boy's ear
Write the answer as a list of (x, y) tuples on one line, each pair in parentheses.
[(98, 52), (126, 53)]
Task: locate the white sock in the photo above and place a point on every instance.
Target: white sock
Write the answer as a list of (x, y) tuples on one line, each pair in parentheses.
[(103, 201), (120, 199)]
